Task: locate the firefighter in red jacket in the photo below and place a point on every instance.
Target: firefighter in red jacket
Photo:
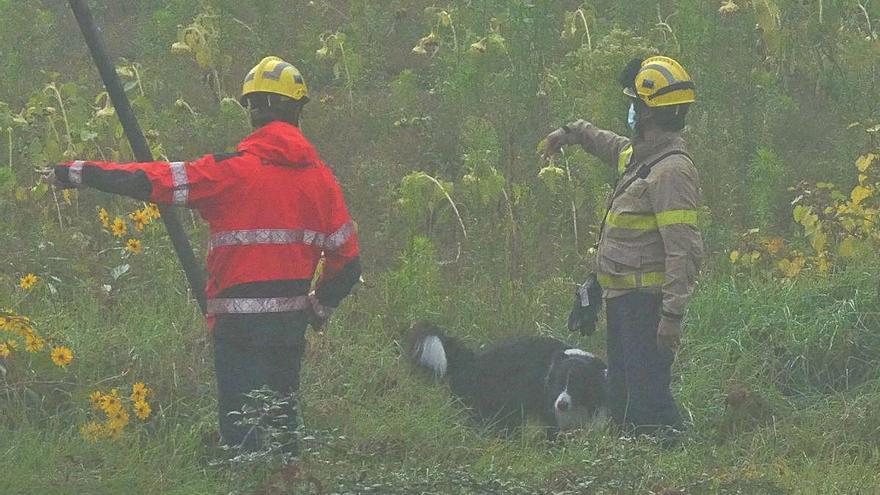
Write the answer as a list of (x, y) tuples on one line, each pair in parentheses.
[(274, 210)]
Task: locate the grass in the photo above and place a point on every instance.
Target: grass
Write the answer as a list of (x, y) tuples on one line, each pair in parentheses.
[(779, 377)]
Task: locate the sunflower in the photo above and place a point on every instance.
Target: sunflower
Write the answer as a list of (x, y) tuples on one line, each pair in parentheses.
[(95, 398), (62, 356), (152, 211), (117, 422), (104, 217), (33, 342), (28, 281), (4, 351), (92, 431), (140, 219), (133, 246), (142, 410), (139, 392), (119, 227)]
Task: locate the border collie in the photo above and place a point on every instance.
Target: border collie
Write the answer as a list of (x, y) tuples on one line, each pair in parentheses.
[(510, 380)]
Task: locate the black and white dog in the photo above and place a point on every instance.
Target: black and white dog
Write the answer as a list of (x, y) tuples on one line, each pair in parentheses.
[(506, 382)]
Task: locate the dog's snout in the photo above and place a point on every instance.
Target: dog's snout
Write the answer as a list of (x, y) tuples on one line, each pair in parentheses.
[(562, 405)]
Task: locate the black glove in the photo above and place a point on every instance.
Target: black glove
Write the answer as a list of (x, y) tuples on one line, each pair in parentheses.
[(587, 303)]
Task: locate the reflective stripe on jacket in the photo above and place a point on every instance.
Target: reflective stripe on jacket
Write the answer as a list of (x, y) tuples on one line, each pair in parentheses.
[(650, 240), (273, 208)]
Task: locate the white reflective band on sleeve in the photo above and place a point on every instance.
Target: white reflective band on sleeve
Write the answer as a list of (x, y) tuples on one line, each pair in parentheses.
[(245, 305), (179, 183), (75, 173), (340, 237)]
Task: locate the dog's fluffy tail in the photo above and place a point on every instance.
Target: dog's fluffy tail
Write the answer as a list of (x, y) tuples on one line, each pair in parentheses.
[(433, 351)]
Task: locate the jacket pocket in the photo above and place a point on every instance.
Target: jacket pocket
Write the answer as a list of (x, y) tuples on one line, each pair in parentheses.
[(617, 258)]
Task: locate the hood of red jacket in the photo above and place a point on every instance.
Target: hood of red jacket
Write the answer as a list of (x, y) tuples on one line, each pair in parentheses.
[(280, 143)]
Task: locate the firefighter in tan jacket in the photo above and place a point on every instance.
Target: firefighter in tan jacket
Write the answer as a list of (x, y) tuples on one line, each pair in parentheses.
[(649, 246)]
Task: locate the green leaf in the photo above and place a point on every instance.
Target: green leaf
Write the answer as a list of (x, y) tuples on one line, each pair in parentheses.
[(40, 190)]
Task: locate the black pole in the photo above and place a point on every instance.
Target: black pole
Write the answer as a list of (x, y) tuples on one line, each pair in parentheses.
[(138, 144)]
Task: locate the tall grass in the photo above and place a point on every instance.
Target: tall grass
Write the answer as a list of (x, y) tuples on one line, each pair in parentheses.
[(779, 379)]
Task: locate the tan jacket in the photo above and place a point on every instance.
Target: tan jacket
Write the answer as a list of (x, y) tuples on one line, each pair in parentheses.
[(650, 240)]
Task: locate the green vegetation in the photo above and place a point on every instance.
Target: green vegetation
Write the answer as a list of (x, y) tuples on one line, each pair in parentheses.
[(430, 115)]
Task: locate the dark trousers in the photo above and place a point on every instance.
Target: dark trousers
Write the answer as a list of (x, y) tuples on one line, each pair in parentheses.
[(639, 372), (252, 352)]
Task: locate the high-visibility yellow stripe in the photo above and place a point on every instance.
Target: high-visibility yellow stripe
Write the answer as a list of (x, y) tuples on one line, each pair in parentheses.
[(623, 158), (632, 221), (671, 217), (632, 281)]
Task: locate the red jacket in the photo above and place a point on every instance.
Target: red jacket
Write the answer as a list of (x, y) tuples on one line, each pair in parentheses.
[(273, 209)]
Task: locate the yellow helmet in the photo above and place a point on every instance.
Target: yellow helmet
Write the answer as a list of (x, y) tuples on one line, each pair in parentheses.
[(273, 75), (662, 82)]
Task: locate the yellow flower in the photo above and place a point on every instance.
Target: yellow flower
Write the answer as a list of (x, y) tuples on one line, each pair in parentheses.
[(774, 245), (33, 342), (28, 281), (105, 218), (4, 351), (95, 398), (152, 211), (133, 246), (62, 356), (142, 410), (117, 422), (140, 219), (92, 431), (67, 194), (105, 403), (139, 392), (734, 256), (119, 228)]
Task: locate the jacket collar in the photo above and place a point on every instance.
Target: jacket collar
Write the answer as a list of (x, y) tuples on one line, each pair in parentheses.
[(662, 142), (280, 143)]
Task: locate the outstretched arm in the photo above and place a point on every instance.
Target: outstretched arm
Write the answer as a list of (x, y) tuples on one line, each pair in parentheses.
[(603, 144), (189, 184)]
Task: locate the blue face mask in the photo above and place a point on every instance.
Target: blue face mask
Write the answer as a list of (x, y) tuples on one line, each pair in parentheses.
[(631, 116)]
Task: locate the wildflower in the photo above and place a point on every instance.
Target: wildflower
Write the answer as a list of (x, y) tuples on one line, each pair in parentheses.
[(28, 281), (774, 245), (117, 422), (67, 194), (105, 403), (152, 211), (4, 351), (133, 246), (92, 431), (142, 410), (95, 399), (140, 218), (62, 356), (119, 227), (33, 342), (139, 392), (105, 218)]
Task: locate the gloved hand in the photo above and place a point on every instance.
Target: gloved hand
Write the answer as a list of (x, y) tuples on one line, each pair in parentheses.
[(48, 177), (587, 303), (554, 142), (318, 313), (669, 333)]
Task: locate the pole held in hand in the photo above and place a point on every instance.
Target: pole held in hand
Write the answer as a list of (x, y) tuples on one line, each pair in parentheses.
[(138, 144)]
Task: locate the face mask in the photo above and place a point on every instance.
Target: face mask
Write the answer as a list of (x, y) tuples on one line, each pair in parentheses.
[(631, 116)]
